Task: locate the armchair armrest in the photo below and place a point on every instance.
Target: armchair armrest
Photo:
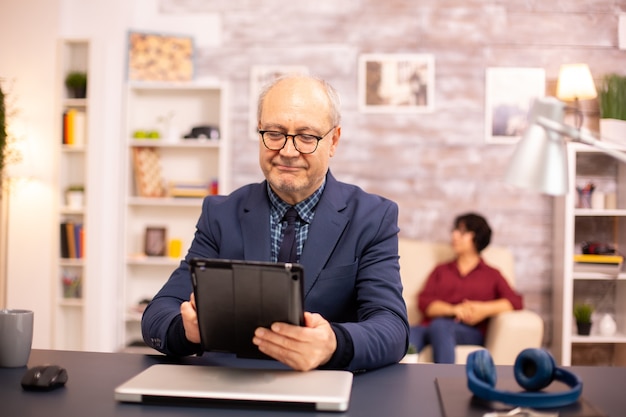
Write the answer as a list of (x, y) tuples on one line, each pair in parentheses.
[(511, 332)]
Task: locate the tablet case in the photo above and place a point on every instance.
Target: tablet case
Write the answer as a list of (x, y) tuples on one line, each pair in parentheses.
[(235, 297)]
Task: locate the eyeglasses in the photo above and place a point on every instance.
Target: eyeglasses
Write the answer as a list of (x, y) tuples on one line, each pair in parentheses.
[(305, 144)]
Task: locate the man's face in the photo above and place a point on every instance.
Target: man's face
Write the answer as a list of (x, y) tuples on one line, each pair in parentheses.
[(297, 106)]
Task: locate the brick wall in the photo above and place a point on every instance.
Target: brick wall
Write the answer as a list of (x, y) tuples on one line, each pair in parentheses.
[(435, 165)]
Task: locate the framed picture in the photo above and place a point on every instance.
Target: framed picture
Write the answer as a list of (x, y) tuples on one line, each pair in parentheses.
[(392, 83), (157, 57), (260, 75), (155, 243), (509, 95)]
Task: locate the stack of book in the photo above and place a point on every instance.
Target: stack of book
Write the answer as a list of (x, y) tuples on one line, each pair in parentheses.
[(189, 189), (72, 240), (605, 264), (74, 127)]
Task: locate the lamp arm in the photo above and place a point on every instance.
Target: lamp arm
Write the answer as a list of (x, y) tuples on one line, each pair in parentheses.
[(579, 136)]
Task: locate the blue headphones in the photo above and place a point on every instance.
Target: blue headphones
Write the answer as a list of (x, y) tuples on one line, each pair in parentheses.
[(534, 370)]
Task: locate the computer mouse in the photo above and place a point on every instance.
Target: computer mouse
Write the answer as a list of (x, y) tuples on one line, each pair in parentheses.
[(44, 378)]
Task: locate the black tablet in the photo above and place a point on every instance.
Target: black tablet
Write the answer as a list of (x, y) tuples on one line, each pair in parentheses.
[(235, 297)]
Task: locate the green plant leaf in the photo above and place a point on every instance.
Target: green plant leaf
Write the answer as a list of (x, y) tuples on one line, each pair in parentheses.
[(612, 97)]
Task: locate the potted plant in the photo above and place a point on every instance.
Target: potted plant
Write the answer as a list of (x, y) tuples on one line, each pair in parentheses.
[(612, 100), (76, 83), (75, 196), (582, 314)]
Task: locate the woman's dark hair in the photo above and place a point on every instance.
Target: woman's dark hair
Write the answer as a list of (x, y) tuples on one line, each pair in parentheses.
[(476, 223)]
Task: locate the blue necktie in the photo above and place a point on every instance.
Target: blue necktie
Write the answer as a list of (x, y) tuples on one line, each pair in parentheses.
[(287, 252)]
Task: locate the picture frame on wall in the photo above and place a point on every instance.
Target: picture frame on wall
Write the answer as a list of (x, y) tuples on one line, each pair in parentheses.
[(156, 57), (509, 95), (260, 75), (396, 83)]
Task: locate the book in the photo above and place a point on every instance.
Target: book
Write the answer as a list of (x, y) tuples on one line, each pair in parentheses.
[(78, 228), (69, 124), (71, 240), (64, 248), (80, 127), (188, 189), (604, 264), (598, 259)]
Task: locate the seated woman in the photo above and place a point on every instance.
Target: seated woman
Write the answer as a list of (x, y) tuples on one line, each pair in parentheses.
[(460, 296)]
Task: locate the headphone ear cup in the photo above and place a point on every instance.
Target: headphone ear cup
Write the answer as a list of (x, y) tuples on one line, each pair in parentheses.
[(481, 364), (534, 369)]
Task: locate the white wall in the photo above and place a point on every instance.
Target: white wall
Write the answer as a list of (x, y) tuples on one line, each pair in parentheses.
[(29, 34), (28, 43)]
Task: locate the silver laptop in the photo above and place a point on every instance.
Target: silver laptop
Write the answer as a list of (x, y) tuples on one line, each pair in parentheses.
[(171, 384)]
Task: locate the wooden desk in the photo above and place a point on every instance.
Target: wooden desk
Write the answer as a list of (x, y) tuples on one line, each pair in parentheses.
[(394, 391)]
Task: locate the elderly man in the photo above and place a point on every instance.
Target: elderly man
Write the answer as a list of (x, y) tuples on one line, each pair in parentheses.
[(346, 240)]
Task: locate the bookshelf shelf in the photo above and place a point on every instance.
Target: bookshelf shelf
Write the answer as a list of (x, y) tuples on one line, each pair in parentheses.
[(600, 213), (165, 201), (71, 302), (73, 148), (179, 143), (618, 338), (143, 260), (75, 102), (598, 276)]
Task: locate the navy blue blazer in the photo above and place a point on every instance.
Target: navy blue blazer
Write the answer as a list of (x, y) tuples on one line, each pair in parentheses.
[(350, 259)]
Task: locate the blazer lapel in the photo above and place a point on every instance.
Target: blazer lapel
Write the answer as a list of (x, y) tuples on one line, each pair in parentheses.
[(255, 225), (324, 232)]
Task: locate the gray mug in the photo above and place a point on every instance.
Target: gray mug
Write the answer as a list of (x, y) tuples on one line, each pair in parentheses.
[(16, 337)]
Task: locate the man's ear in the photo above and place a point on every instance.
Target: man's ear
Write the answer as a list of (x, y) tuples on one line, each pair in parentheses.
[(335, 141)]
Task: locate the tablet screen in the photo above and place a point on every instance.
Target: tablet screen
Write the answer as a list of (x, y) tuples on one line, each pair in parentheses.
[(235, 297)]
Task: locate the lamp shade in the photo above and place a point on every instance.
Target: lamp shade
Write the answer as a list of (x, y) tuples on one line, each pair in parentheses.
[(575, 83), (539, 162)]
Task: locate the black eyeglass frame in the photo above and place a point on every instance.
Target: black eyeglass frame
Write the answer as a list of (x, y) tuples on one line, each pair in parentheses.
[(293, 139)]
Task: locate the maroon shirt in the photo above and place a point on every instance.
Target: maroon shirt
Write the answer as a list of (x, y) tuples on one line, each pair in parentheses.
[(483, 283)]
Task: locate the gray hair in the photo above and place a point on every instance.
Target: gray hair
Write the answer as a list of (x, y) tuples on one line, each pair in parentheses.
[(332, 94)]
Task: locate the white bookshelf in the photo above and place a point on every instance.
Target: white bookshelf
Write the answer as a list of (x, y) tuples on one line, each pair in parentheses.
[(607, 292), (202, 160), (68, 319)]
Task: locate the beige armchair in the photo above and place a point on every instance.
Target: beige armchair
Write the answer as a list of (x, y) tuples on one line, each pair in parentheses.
[(508, 334)]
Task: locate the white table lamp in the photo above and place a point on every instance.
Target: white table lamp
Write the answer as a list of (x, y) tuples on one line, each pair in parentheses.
[(539, 162)]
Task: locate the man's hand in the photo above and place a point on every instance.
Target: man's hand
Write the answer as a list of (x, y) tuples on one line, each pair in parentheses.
[(301, 348), (190, 319)]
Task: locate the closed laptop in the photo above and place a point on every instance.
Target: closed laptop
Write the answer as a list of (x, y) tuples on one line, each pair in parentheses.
[(321, 390)]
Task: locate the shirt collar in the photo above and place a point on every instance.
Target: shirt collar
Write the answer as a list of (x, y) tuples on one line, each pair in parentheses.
[(305, 208)]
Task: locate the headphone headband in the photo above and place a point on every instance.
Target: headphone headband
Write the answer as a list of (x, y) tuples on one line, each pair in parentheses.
[(534, 369)]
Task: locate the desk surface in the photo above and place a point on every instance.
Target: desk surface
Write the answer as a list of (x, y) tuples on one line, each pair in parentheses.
[(398, 390)]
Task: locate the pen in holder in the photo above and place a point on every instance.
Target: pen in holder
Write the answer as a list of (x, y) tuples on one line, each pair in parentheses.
[(584, 195)]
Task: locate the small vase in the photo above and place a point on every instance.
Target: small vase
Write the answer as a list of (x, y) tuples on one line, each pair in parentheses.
[(608, 326), (584, 329), (77, 92), (75, 199), (613, 130)]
